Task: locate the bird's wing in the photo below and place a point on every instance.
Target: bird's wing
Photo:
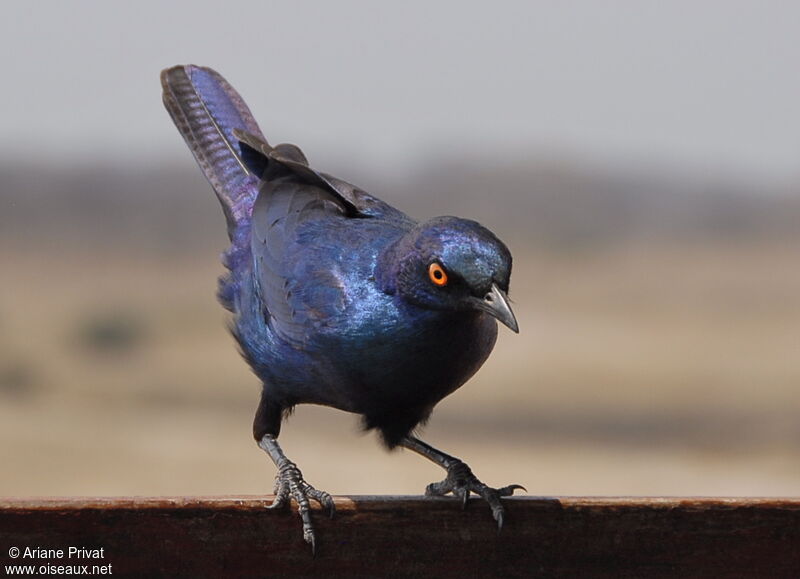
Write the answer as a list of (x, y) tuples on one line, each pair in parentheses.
[(294, 271), (267, 162), (296, 254)]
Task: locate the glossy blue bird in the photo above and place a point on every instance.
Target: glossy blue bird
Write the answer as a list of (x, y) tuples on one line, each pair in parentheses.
[(338, 298)]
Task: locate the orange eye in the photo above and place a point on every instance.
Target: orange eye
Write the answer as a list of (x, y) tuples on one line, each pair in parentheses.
[(437, 274)]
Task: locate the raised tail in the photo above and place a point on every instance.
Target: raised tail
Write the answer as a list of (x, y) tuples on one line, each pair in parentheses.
[(206, 110)]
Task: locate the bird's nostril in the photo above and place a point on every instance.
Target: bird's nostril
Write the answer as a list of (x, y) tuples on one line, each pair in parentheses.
[(489, 298)]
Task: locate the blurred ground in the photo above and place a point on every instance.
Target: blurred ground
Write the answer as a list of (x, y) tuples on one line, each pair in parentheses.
[(659, 353)]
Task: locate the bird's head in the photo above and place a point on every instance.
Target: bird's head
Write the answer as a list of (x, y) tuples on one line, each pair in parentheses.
[(453, 264)]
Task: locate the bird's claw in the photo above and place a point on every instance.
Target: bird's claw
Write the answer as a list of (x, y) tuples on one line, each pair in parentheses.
[(461, 482), (289, 484)]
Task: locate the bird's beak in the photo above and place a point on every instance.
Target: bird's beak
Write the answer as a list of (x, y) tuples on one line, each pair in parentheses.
[(495, 303)]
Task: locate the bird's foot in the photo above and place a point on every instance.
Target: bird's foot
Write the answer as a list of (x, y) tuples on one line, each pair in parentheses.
[(461, 482), (289, 484)]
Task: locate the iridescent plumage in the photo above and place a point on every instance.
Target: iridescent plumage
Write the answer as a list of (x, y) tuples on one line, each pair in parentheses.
[(329, 285)]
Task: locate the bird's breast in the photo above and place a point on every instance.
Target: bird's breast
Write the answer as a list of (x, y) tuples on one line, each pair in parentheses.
[(395, 354)]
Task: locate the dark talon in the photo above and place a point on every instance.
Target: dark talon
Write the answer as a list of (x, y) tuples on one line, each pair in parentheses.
[(324, 499), (436, 489), (461, 482), (509, 490), (277, 503), (290, 485)]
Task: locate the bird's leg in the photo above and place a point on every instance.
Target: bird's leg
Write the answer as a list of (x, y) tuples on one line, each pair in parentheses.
[(459, 480), (289, 484)]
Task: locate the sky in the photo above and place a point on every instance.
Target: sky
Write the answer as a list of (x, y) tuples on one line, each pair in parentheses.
[(702, 84)]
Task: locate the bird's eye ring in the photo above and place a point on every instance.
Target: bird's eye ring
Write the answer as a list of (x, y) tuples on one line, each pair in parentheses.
[(437, 274)]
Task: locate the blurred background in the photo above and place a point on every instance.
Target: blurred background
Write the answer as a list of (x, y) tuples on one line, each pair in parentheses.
[(641, 160)]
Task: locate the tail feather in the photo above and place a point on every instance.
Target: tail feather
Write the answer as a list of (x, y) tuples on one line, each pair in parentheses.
[(207, 110)]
